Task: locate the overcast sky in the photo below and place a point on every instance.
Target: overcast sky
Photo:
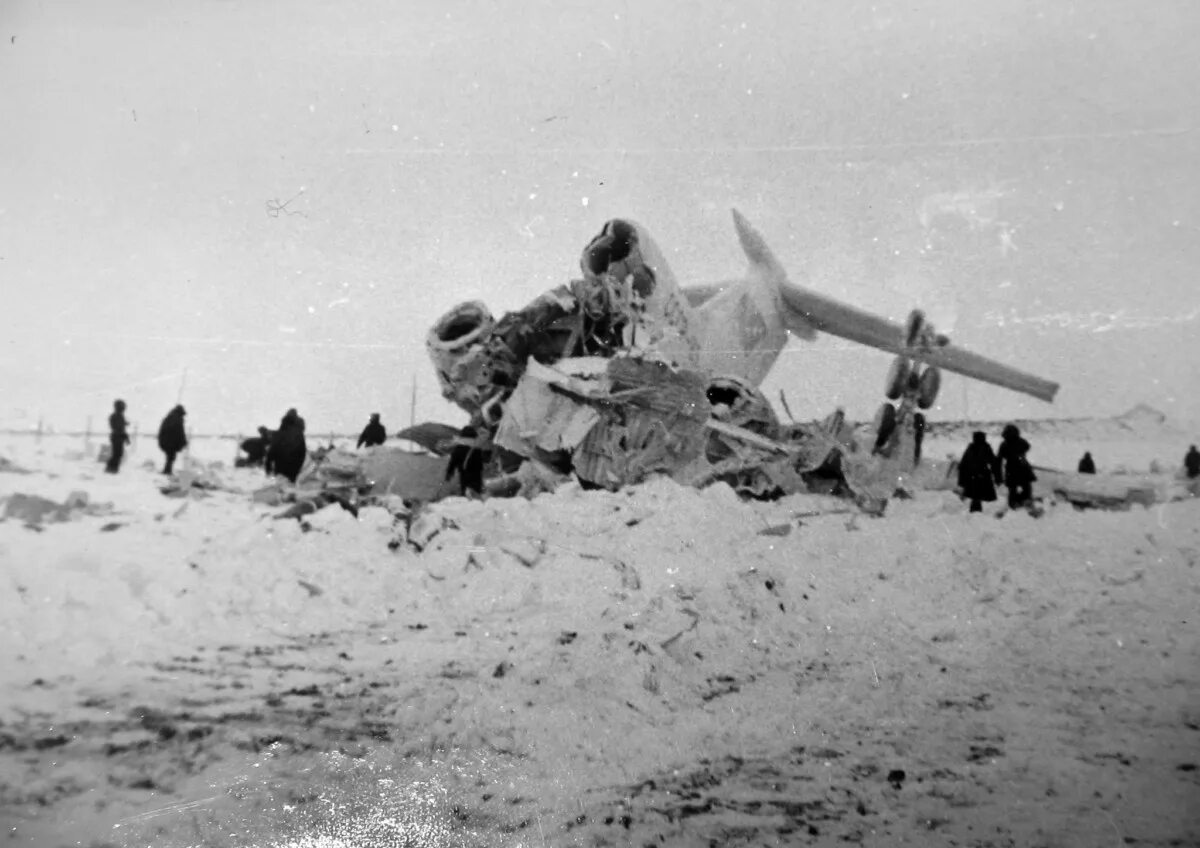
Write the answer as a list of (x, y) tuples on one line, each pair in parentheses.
[(281, 196)]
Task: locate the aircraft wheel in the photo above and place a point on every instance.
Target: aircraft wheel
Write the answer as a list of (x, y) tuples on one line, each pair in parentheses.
[(914, 327), (927, 387), (885, 424), (897, 377)]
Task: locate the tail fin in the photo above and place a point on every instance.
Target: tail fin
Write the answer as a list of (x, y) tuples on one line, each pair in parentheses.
[(755, 246), (767, 268)]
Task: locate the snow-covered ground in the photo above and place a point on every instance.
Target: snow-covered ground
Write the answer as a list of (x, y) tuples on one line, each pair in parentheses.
[(656, 666)]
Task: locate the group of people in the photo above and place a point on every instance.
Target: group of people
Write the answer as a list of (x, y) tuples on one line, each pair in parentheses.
[(981, 469), (281, 451), (172, 436)]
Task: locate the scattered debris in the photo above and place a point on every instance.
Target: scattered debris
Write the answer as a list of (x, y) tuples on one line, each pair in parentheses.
[(36, 511), (622, 374)]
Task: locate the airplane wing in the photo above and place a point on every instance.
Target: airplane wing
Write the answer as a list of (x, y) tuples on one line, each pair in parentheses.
[(839, 319)]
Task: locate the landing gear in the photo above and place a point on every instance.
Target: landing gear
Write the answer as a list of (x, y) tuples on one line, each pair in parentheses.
[(927, 386), (913, 385), (897, 378), (885, 425)]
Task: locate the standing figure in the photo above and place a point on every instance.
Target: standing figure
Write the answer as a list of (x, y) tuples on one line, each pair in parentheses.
[(373, 434), (172, 438), (976, 472), (1191, 463), (288, 449), (1012, 465), (466, 460), (118, 437), (1087, 465)]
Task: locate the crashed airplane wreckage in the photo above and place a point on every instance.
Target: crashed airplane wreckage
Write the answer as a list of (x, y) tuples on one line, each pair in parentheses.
[(624, 373)]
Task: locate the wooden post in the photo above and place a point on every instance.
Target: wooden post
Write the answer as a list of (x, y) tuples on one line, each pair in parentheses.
[(87, 434)]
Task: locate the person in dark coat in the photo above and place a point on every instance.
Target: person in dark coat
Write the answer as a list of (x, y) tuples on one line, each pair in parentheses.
[(118, 436), (976, 472), (466, 460), (1012, 466), (1087, 465), (255, 448), (172, 438), (1191, 463), (373, 434), (288, 449)]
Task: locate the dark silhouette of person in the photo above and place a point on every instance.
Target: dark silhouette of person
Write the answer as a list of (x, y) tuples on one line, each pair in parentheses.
[(118, 437), (373, 434), (977, 472), (287, 450), (1191, 463), (1087, 465), (255, 448), (172, 438), (466, 460), (1012, 466)]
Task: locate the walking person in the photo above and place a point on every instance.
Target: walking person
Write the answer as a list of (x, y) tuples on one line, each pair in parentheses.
[(118, 437), (1012, 466), (976, 472), (172, 437)]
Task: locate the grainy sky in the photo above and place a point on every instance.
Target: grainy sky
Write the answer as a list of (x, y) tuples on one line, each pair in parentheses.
[(281, 196)]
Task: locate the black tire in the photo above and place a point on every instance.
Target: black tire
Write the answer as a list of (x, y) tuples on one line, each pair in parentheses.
[(927, 387), (914, 327), (885, 424), (897, 377)]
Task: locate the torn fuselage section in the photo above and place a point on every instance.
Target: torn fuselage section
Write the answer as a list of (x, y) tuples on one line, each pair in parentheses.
[(609, 379)]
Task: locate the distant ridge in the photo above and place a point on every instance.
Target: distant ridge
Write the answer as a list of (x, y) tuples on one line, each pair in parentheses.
[(1141, 421)]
